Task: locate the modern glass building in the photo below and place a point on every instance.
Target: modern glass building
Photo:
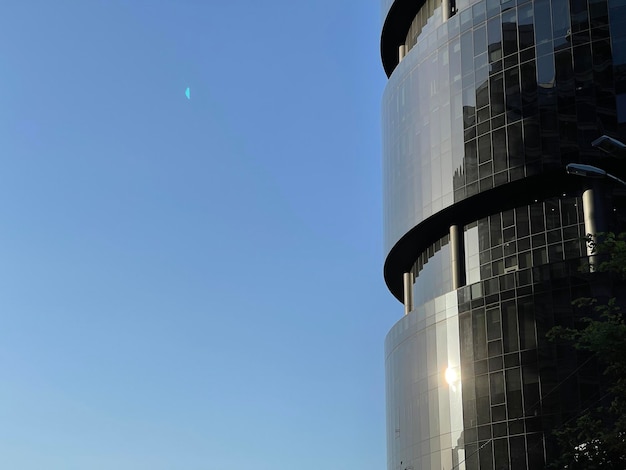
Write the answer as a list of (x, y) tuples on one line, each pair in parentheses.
[(487, 102)]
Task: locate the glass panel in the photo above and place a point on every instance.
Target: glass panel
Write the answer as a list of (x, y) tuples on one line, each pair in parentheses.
[(598, 14), (518, 453), (509, 324), (480, 40), (545, 71), (535, 451), (512, 91), (569, 211), (514, 393), (560, 17), (479, 335), (536, 218), (501, 453), (478, 13), (485, 457), (493, 7), (466, 19), (528, 78), (482, 91), (526, 26), (515, 144), (509, 31), (526, 313), (465, 328), (493, 324), (467, 53), (495, 229), (497, 96), (499, 149), (484, 148), (494, 39), (471, 165), (543, 21), (579, 15), (552, 214), (496, 385)]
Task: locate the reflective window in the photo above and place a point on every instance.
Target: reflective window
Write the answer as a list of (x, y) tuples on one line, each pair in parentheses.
[(451, 91), (526, 26), (543, 21), (579, 15), (509, 32), (560, 18)]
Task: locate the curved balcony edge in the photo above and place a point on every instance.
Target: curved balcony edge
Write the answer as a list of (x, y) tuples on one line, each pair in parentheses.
[(394, 31), (404, 253)]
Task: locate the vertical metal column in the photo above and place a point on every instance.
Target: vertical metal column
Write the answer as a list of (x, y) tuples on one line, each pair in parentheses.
[(408, 292), (401, 52), (457, 256), (445, 9), (594, 213)]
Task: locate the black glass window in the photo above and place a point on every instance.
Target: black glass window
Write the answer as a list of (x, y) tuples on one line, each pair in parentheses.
[(560, 17), (518, 453), (598, 14), (526, 26), (501, 453), (494, 40), (479, 335), (512, 91), (509, 32), (485, 455), (529, 88), (497, 94), (499, 150), (496, 382), (579, 15), (526, 315)]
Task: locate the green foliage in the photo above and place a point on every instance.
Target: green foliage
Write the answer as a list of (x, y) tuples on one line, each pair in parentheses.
[(596, 438), (611, 249)]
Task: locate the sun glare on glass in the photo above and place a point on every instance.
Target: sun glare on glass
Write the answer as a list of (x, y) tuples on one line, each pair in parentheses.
[(451, 376)]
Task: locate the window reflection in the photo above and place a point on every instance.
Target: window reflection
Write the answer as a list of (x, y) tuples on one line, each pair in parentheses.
[(514, 75)]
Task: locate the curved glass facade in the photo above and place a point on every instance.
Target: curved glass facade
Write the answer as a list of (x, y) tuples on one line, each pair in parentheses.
[(432, 273), (425, 396), (431, 12), (507, 242), (497, 93), (502, 92)]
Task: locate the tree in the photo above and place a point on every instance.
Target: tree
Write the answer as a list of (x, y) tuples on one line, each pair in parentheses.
[(596, 437)]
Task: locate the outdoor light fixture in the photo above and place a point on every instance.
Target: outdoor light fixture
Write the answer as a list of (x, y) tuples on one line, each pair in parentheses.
[(589, 171), (610, 145)]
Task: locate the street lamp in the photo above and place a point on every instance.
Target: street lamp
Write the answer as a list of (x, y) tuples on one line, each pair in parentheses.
[(610, 145), (589, 171)]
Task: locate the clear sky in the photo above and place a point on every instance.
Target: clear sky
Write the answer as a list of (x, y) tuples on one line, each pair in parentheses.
[(191, 284)]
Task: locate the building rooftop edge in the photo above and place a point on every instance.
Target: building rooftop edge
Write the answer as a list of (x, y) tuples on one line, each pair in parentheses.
[(394, 31)]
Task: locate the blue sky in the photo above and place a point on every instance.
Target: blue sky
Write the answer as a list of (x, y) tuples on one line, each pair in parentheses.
[(191, 284)]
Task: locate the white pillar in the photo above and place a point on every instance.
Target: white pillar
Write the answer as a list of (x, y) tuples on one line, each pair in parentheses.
[(408, 292), (594, 214), (445, 9), (401, 52), (457, 256)]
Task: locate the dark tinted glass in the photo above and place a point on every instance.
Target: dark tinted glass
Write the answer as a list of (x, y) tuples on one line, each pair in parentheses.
[(509, 32)]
